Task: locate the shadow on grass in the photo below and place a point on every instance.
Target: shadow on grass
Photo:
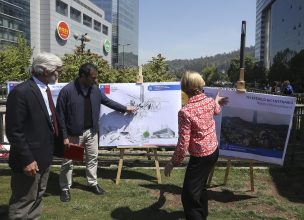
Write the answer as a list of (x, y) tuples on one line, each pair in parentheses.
[(226, 196), (153, 211), (53, 185), (289, 183), (53, 182), (3, 212), (5, 172)]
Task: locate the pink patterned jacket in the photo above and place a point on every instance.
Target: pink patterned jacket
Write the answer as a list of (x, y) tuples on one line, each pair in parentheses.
[(197, 133)]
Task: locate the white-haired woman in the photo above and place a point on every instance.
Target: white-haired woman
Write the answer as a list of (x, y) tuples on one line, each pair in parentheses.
[(197, 135)]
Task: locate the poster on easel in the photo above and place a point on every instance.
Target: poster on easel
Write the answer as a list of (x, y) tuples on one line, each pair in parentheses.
[(55, 88), (155, 121), (253, 125)]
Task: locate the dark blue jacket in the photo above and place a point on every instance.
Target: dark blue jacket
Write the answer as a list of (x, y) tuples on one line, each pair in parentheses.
[(70, 108)]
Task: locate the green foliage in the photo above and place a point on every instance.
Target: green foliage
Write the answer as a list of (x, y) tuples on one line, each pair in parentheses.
[(253, 71), (280, 68), (234, 70), (73, 61), (146, 134), (127, 75), (15, 61), (211, 75), (157, 70), (221, 61), (297, 66)]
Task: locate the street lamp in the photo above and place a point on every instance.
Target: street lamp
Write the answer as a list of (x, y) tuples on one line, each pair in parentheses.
[(123, 53), (83, 38)]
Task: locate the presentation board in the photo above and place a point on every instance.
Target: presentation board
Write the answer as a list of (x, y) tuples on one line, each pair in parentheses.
[(253, 125), (154, 123)]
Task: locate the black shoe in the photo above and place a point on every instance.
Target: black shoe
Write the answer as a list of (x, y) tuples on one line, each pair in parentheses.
[(97, 190), (65, 196)]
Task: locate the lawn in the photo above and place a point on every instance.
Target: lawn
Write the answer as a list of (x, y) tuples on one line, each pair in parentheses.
[(279, 194)]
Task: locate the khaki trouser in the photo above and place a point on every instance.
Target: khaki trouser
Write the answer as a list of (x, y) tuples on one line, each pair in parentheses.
[(90, 142)]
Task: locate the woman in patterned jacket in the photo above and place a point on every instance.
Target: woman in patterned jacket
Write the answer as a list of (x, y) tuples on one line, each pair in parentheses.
[(197, 135)]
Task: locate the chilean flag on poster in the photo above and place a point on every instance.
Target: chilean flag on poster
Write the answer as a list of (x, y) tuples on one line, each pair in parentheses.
[(105, 89)]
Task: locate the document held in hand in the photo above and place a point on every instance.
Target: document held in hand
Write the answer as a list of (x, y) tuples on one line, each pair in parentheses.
[(74, 152)]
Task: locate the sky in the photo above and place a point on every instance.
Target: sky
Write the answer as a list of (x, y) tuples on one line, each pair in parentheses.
[(187, 29)]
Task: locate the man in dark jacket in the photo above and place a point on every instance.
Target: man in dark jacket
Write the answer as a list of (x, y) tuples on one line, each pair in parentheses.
[(31, 128), (78, 108)]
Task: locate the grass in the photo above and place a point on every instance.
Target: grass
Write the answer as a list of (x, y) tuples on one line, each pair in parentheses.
[(279, 194)]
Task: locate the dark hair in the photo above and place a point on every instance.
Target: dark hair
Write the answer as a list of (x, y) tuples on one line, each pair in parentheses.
[(85, 69)]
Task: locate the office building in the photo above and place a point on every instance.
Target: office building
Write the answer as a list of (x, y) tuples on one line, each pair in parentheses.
[(279, 25), (14, 20), (57, 26), (123, 14)]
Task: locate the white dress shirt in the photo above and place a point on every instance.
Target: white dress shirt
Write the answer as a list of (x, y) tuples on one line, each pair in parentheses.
[(43, 88)]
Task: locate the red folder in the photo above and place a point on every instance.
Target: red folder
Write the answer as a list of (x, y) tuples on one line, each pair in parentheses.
[(74, 152)]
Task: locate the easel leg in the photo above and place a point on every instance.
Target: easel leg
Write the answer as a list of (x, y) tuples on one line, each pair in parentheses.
[(210, 177), (122, 151), (157, 167), (148, 154), (251, 176), (227, 171)]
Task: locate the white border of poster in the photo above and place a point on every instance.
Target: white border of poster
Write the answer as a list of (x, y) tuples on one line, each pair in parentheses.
[(253, 125), (154, 123)]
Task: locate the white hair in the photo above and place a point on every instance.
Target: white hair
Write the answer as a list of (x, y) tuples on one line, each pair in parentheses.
[(45, 61)]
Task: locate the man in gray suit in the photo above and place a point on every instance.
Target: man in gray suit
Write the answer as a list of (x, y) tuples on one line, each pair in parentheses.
[(32, 129)]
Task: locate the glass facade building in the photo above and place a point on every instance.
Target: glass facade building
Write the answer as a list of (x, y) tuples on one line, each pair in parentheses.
[(14, 20), (279, 25), (124, 15)]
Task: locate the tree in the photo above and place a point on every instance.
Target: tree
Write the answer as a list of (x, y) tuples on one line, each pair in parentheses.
[(210, 74), (297, 66), (260, 72), (126, 75), (157, 70), (234, 70), (279, 70), (15, 61), (250, 74), (72, 62)]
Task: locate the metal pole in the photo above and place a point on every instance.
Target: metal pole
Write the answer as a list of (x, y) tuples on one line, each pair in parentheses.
[(123, 56), (241, 83)]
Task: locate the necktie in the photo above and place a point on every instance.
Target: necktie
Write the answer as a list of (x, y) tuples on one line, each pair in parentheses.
[(52, 108)]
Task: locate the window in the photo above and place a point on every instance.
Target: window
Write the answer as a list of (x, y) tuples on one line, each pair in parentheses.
[(5, 23), (97, 26), (10, 24), (105, 29), (61, 8), (87, 20), (75, 14)]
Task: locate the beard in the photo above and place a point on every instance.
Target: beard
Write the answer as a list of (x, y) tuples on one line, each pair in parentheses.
[(52, 79)]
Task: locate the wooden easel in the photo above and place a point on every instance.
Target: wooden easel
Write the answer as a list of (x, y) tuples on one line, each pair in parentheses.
[(121, 155), (241, 88), (146, 147), (228, 166)]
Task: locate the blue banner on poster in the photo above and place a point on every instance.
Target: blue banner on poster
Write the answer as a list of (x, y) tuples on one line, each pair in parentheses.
[(163, 87), (253, 150)]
